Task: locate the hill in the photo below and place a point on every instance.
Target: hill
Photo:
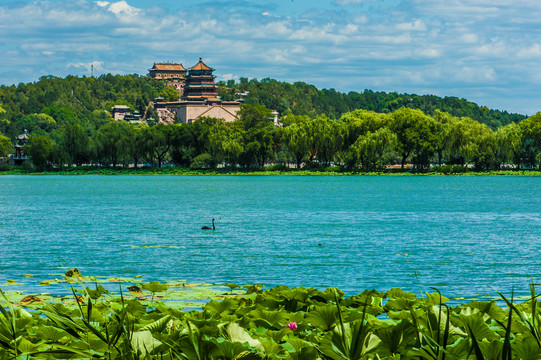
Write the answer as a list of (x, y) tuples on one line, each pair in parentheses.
[(85, 100), (72, 100), (304, 99)]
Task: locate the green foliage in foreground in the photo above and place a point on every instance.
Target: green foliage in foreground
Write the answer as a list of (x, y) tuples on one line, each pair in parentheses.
[(281, 323)]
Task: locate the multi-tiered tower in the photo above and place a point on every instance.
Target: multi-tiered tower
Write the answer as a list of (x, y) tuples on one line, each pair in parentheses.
[(200, 85)]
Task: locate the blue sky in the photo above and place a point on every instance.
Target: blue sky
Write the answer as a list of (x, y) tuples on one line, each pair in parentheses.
[(487, 51)]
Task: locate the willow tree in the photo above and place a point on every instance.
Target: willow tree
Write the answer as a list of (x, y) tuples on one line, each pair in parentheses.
[(510, 143), (134, 144), (360, 122), (40, 150), (297, 137), (260, 135), (74, 144), (112, 142), (370, 147), (325, 138), (158, 142), (531, 128), (477, 144), (415, 133)]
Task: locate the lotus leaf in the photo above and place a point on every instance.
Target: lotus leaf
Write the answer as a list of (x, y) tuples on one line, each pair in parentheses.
[(275, 319), (395, 339), (324, 317), (527, 349), (352, 341), (144, 343), (233, 350), (154, 287), (274, 350), (227, 305), (237, 334), (436, 298), (477, 327), (397, 293), (231, 286)]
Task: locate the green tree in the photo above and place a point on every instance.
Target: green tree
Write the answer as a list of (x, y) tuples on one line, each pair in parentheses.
[(415, 134), (38, 123), (217, 138), (370, 147), (40, 151), (510, 143), (158, 142), (183, 148), (531, 145), (5, 145), (359, 122), (134, 143), (75, 144), (325, 138), (112, 142), (297, 137), (446, 129), (233, 146), (170, 94), (478, 144), (260, 136)]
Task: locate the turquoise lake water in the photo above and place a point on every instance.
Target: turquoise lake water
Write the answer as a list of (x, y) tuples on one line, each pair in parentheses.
[(464, 235)]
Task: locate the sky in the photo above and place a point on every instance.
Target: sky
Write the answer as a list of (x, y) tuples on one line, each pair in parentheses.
[(486, 51)]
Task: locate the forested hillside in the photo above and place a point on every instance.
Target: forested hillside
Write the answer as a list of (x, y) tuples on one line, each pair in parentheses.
[(304, 99), (71, 100), (83, 100), (69, 123)]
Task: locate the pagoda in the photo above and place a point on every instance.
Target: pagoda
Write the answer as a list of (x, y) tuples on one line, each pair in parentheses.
[(200, 85)]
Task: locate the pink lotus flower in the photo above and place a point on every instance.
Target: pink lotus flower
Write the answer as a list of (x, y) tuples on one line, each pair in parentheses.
[(292, 325)]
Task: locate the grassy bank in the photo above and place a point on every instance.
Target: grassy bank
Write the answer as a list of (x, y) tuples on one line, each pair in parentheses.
[(271, 170), (280, 323)]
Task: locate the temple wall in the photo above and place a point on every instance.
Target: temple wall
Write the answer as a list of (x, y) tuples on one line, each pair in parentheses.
[(189, 113)]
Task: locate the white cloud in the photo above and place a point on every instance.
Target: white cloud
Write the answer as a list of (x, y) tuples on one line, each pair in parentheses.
[(407, 45), (225, 77), (122, 8)]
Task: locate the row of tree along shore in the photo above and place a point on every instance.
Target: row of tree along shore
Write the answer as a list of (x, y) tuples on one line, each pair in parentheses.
[(360, 140)]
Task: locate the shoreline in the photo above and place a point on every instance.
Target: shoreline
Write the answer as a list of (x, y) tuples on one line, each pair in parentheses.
[(241, 172)]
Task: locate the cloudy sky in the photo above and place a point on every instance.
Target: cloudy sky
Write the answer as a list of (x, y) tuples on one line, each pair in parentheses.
[(487, 51)]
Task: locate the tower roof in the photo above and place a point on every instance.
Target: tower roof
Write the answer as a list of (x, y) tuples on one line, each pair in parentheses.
[(200, 66), (168, 67)]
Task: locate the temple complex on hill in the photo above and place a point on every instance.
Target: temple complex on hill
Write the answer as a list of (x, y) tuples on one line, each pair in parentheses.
[(198, 94)]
